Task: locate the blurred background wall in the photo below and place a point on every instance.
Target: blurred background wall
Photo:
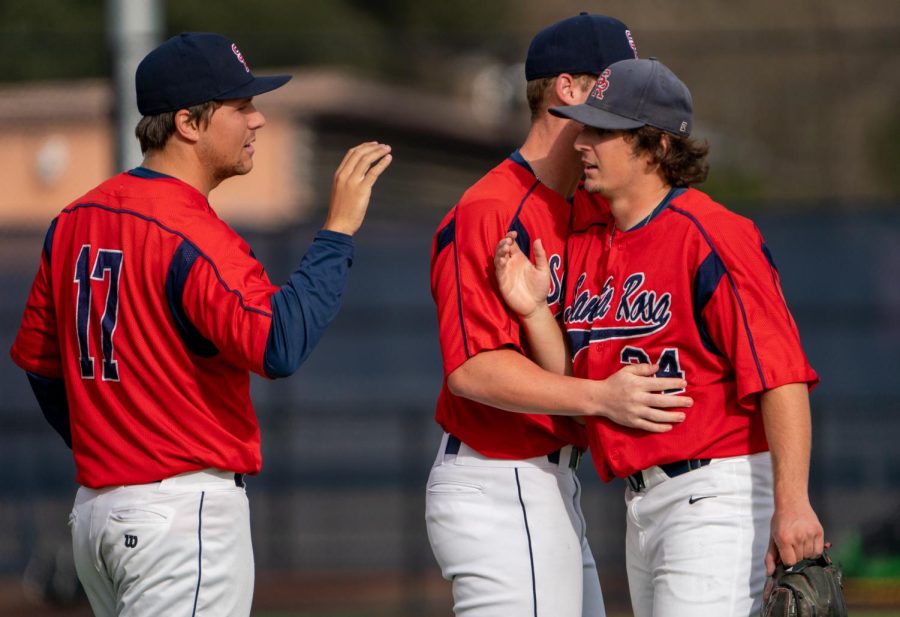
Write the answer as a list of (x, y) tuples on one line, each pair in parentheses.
[(800, 102)]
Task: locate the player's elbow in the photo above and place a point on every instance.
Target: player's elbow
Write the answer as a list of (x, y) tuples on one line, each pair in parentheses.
[(460, 383), (280, 365)]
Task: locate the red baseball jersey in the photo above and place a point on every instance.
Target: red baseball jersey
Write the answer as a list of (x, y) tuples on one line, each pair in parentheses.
[(694, 289), (471, 314), (153, 311)]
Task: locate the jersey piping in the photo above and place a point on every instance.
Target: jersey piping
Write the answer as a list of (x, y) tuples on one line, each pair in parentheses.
[(183, 237), (734, 290), (459, 303)]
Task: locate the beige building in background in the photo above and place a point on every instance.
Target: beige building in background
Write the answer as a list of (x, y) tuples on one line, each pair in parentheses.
[(57, 142), (800, 103)]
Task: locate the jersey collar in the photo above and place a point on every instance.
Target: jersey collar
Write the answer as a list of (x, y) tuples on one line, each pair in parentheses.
[(672, 194), (516, 157), (148, 174)]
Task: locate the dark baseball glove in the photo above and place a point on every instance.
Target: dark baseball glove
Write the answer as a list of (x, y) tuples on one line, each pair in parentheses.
[(809, 588)]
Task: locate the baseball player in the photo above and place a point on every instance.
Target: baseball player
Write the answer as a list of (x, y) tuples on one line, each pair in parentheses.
[(675, 279), (503, 503), (145, 319)]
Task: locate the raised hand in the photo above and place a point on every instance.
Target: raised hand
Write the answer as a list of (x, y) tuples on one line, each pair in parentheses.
[(352, 186), (523, 285)]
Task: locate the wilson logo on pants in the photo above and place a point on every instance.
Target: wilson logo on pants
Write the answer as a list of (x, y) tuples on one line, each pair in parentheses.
[(130, 541)]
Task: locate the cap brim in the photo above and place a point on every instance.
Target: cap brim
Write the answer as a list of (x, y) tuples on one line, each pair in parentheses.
[(254, 87), (596, 118)]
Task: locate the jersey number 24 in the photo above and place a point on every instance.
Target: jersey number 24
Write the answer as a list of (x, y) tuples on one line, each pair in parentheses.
[(669, 365)]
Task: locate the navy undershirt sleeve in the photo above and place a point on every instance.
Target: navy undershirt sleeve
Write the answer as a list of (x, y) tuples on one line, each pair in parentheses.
[(307, 303), (51, 396)]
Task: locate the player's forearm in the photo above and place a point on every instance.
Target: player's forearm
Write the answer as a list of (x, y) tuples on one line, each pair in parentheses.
[(506, 379), (788, 427), (304, 307), (546, 344), (51, 397), (796, 530)]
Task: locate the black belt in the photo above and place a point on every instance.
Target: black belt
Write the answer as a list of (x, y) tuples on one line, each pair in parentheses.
[(636, 480), (453, 444)]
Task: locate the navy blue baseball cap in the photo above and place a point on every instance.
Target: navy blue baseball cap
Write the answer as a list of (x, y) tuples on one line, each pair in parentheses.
[(193, 68), (581, 44), (635, 93)]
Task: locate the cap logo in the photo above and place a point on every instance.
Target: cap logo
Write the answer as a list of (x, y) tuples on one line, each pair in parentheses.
[(683, 127), (601, 85), (240, 56), (631, 42)]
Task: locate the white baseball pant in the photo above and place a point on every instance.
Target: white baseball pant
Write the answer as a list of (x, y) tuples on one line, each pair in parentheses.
[(696, 543), (177, 547), (510, 535)]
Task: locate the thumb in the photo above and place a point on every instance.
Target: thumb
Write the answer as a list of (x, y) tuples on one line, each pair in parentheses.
[(540, 256)]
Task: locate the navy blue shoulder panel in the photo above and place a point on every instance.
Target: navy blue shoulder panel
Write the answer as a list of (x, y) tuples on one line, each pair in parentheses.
[(179, 268), (706, 280), (734, 290), (445, 236), (765, 250), (48, 239), (522, 237)]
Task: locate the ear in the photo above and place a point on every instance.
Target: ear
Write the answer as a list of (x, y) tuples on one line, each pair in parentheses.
[(662, 149), (567, 89), (664, 145), (186, 127)]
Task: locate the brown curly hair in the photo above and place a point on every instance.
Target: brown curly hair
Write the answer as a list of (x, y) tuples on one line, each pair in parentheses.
[(682, 164)]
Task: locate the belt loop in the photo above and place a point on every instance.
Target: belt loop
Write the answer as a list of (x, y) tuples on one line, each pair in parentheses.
[(636, 481), (453, 444), (575, 458), (239, 480)]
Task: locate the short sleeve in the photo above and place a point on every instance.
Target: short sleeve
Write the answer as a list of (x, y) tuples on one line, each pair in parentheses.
[(36, 348), (472, 317), (747, 317), (227, 298)]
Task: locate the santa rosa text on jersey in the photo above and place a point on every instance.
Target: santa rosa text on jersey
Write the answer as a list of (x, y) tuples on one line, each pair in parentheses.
[(647, 309)]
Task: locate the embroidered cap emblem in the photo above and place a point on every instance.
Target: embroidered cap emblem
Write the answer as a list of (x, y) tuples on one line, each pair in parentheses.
[(240, 56)]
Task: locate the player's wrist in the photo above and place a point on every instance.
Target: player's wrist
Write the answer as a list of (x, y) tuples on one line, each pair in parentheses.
[(792, 501), (340, 227), (540, 314), (594, 396)]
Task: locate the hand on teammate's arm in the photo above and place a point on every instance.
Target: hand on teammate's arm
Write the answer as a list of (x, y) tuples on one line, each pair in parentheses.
[(796, 531), (352, 186), (506, 379)]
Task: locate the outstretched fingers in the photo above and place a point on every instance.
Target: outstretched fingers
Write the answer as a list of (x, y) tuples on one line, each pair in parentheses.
[(366, 158), (352, 187)]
